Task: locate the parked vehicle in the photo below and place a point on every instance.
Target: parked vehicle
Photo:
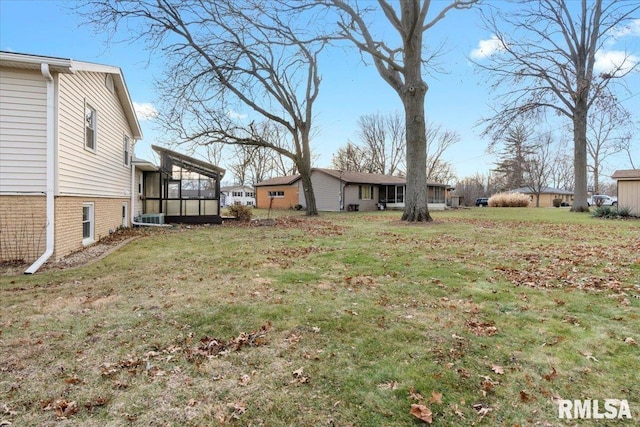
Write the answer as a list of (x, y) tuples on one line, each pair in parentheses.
[(602, 200), (482, 201)]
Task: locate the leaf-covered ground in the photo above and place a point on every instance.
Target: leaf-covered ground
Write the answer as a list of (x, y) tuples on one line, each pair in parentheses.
[(483, 317)]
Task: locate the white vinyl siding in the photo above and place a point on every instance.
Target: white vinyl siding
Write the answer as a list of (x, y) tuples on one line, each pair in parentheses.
[(80, 171), (126, 148), (23, 131)]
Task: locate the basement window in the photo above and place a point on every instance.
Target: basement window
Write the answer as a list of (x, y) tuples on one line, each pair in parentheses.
[(87, 224)]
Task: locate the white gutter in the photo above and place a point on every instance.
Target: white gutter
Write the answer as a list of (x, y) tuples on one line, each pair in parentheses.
[(51, 140)]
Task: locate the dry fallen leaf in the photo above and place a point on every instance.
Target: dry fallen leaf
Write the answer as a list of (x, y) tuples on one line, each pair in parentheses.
[(497, 369), (456, 410), (481, 409), (525, 397), (487, 384), (630, 341), (552, 375), (390, 385), (65, 409), (435, 397), (414, 395), (299, 377), (422, 413), (589, 356), (244, 380)]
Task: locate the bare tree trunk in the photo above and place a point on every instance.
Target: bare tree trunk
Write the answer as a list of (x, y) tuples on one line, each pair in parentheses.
[(309, 197), (415, 203), (580, 159), (304, 166), (413, 94)]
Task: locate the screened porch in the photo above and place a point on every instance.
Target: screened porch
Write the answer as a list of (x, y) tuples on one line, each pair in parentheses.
[(183, 189)]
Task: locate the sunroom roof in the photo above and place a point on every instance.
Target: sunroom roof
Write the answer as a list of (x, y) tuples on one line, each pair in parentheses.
[(189, 163)]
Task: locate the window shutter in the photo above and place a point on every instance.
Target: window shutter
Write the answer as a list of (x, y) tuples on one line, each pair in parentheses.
[(360, 192)]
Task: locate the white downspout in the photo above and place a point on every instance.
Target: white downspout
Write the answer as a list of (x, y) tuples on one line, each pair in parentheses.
[(50, 178)]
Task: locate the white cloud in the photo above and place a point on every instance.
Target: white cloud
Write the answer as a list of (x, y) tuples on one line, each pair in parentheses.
[(632, 29), (486, 48), (235, 115), (145, 111), (610, 61)]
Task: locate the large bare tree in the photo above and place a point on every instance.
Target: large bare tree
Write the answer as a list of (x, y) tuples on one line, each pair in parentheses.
[(383, 139), (608, 133), (225, 55), (251, 164), (561, 173), (351, 157), (548, 51), (401, 67), (439, 140), (382, 148), (537, 166)]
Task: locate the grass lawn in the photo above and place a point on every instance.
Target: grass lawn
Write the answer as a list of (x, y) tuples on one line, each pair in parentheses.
[(486, 316)]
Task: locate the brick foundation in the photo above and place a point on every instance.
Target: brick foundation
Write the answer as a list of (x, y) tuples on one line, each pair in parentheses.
[(22, 227), (68, 231)]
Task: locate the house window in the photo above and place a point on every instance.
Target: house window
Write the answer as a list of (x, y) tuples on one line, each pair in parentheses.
[(127, 150), (249, 203), (90, 128), (250, 194), (276, 193), (87, 224), (366, 192), (125, 215), (237, 194)]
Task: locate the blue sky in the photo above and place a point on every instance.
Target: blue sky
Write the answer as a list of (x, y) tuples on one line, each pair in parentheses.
[(350, 89)]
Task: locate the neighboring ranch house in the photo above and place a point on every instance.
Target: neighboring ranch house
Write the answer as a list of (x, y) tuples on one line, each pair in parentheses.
[(628, 189), (67, 134), (181, 190), (341, 190), (238, 195), (547, 194)]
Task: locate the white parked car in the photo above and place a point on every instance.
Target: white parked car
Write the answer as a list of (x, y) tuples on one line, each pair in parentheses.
[(602, 200)]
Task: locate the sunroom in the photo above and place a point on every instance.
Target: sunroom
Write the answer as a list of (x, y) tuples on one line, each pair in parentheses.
[(181, 190)]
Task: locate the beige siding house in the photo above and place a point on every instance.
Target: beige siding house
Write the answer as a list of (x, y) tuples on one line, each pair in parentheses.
[(628, 189), (67, 134), (344, 191), (545, 196)]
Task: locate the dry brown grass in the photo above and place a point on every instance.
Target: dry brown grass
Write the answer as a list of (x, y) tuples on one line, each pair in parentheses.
[(341, 320)]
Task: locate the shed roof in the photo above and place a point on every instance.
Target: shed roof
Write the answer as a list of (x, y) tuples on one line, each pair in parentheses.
[(626, 174)]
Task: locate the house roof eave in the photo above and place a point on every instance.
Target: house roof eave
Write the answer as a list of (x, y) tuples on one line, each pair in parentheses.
[(69, 66), (626, 174)]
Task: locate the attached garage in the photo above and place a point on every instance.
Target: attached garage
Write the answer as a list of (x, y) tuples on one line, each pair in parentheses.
[(628, 189)]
